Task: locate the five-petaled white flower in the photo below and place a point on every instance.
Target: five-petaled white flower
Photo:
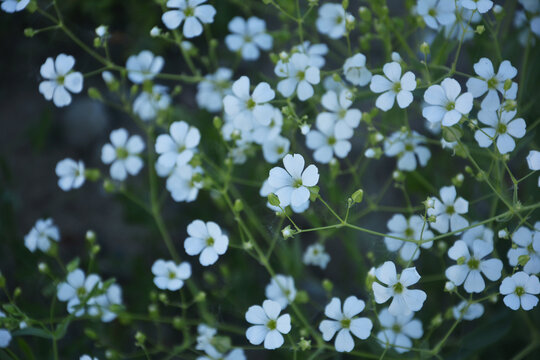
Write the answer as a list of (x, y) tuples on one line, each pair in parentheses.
[(177, 147), (521, 289), (281, 290), (268, 325), (501, 126), (292, 183), (148, 104), (448, 211), (397, 331), (247, 110), (59, 78), (213, 88), (355, 70), (407, 146), (143, 66), (170, 276), (527, 244), (206, 239), (275, 148), (184, 183), (345, 322), (300, 76), (482, 6), (11, 6), (76, 289), (192, 13), (41, 235), (71, 174), (471, 265), (446, 105), (248, 36), (5, 335), (467, 311), (414, 229), (437, 12), (492, 82), (87, 357), (316, 255), (533, 161), (404, 300), (393, 86), (213, 354), (123, 153), (330, 138), (338, 106), (332, 20), (315, 53)]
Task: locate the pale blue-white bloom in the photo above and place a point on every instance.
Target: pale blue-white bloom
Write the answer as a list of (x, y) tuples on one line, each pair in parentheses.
[(292, 183), (436, 12), (262, 133), (407, 147), (248, 37), (471, 265), (170, 276), (184, 182), (415, 229), (482, 6), (461, 27), (123, 153), (268, 325), (179, 146), (60, 80), (193, 13), (533, 161), (77, 289), (316, 255), (205, 335), (330, 138), (11, 6), (393, 86), (267, 189), (355, 70), (281, 290), (397, 331), (338, 105), (87, 357), (101, 305), (206, 239), (477, 233), (527, 244), (520, 290), (530, 5), (404, 300), (315, 53), (71, 174), (332, 20), (468, 311), (491, 82), (148, 104), (5, 338), (143, 66), (212, 90), (275, 148), (446, 103), (344, 322), (41, 235), (213, 354), (299, 75), (448, 211), (502, 128)]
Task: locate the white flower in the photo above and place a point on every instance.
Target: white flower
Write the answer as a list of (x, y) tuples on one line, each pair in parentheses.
[(468, 311), (87, 357), (281, 290), (404, 300), (533, 160), (192, 13), (170, 276), (330, 84), (213, 88), (5, 335), (407, 146), (437, 12), (470, 266), (520, 290), (530, 5), (446, 103), (275, 149), (247, 110), (155, 31), (315, 53), (76, 289), (213, 354), (205, 336), (489, 81), (70, 173), (148, 104), (292, 183), (448, 211), (332, 20), (477, 233), (177, 147), (267, 189), (413, 229), (59, 78), (248, 36), (205, 239), (316, 255), (101, 305), (338, 105), (501, 126), (300, 76), (345, 322), (355, 70), (397, 331), (268, 325), (184, 183), (528, 244), (330, 138), (41, 235), (482, 6), (123, 153), (11, 6), (393, 85), (144, 66), (102, 30)]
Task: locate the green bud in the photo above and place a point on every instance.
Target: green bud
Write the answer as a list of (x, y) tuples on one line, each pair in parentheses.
[(200, 297), (302, 297), (313, 192), (109, 186), (238, 205), (92, 174), (17, 292), (461, 260), (29, 32), (2, 281), (153, 310), (336, 77), (458, 180), (140, 338), (287, 232), (90, 333), (273, 199), (304, 344), (217, 122), (97, 42), (424, 48), (480, 29), (364, 13), (95, 249), (42, 268), (178, 323), (32, 6), (398, 176), (345, 4), (221, 343), (507, 84), (90, 236), (436, 321), (73, 265), (209, 278), (358, 196), (94, 94), (432, 219), (327, 285), (523, 259), (452, 134)]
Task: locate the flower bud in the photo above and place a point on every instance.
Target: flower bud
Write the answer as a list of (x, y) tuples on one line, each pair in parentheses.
[(287, 232), (273, 199), (357, 196), (327, 285), (503, 234), (304, 344)]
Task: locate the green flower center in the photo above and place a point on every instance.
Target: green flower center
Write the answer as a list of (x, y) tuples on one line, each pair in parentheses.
[(297, 183), (396, 87), (250, 104), (172, 275), (210, 241), (301, 75), (331, 140), (473, 264), (398, 288), (492, 83), (450, 106), (121, 153), (189, 11), (396, 328), (432, 12), (60, 79), (272, 324), (339, 19), (280, 150), (409, 232), (342, 113), (450, 210), (81, 291), (520, 291), (501, 128), (409, 147), (345, 323)]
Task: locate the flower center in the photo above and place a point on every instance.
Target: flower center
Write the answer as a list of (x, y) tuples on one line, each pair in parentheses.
[(409, 232), (409, 147), (345, 323), (501, 128), (396, 87), (301, 75), (247, 39), (450, 210), (210, 241), (331, 140), (520, 291), (297, 183), (189, 11), (121, 153), (396, 328), (432, 12), (271, 324), (60, 79), (171, 275), (280, 150), (339, 19), (181, 148), (398, 288), (450, 106), (81, 291), (473, 264), (492, 83), (342, 113), (250, 104), (530, 248)]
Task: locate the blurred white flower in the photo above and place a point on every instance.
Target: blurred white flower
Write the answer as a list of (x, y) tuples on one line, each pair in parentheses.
[(397, 331), (193, 13), (71, 174), (412, 228), (170, 276), (143, 66), (299, 75), (332, 20), (316, 255), (446, 104), (177, 147), (59, 78), (355, 70), (449, 210), (281, 290), (527, 244), (248, 36), (41, 235), (212, 90), (123, 153), (148, 104)]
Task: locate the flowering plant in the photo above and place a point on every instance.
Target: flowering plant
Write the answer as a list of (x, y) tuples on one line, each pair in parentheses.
[(297, 179)]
